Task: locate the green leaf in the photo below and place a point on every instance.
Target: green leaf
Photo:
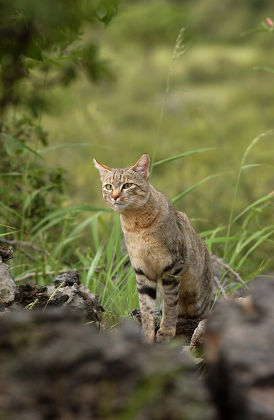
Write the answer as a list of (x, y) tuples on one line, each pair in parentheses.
[(59, 60), (101, 13), (34, 52)]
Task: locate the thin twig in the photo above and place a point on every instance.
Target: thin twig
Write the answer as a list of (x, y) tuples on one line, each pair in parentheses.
[(220, 287), (230, 270), (28, 276), (23, 244), (28, 255)]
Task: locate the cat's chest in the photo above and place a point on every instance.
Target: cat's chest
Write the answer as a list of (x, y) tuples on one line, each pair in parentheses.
[(137, 243), (146, 250)]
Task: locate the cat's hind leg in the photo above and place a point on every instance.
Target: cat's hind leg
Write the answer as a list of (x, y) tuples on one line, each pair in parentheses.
[(171, 280), (147, 290), (195, 294)]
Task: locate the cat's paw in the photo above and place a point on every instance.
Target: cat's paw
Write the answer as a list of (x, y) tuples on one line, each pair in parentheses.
[(165, 335), (149, 338)]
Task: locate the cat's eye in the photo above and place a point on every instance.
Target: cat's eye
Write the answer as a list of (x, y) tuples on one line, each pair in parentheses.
[(127, 185), (108, 187)]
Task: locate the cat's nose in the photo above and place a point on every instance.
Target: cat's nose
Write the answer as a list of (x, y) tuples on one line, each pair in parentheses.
[(115, 196)]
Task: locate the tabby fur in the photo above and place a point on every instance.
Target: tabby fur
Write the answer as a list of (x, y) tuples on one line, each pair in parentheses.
[(163, 247)]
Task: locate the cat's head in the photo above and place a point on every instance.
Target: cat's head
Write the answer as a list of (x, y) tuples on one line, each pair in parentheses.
[(127, 188)]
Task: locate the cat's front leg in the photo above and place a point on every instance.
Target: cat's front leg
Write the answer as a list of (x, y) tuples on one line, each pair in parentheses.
[(171, 280), (147, 290)]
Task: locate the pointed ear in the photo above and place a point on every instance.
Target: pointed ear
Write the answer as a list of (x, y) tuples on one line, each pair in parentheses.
[(142, 166), (103, 169)]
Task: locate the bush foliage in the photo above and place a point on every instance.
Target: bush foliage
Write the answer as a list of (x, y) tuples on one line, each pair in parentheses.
[(44, 38)]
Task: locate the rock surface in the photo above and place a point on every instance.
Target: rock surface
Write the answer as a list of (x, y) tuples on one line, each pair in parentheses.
[(75, 296), (7, 285), (198, 337), (54, 367), (239, 349), (67, 291)]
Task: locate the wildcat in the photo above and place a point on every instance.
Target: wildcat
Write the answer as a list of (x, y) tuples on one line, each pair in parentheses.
[(163, 248)]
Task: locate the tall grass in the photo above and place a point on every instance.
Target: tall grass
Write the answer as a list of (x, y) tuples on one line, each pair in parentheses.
[(236, 191), (89, 239)]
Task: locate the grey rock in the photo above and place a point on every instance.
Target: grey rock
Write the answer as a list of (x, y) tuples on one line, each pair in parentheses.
[(7, 285), (239, 354), (197, 339), (55, 367), (76, 296)]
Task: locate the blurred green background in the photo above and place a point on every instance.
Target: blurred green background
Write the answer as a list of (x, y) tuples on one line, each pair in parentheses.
[(216, 99), (164, 98)]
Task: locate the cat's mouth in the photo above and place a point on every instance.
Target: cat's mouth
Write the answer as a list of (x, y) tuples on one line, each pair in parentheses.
[(118, 205)]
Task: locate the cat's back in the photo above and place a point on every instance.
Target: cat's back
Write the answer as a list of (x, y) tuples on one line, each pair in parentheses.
[(194, 245)]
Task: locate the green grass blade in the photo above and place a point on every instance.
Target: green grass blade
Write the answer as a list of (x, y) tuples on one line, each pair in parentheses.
[(11, 174), (95, 231), (193, 187), (47, 226), (84, 224), (254, 165), (93, 266), (259, 242), (265, 68), (189, 153), (252, 205), (243, 243), (237, 183), (221, 239), (62, 244), (120, 264), (83, 259), (62, 146), (15, 144), (19, 215), (66, 211), (32, 196), (211, 232), (8, 233), (114, 244), (254, 31)]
